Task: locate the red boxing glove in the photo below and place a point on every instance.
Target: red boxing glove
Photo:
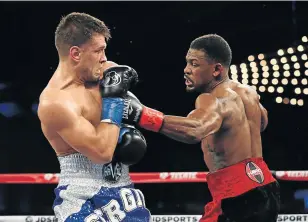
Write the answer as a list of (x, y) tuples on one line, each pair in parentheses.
[(136, 113)]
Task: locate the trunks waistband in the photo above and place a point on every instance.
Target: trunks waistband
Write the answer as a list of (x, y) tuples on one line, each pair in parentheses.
[(78, 169), (239, 178)]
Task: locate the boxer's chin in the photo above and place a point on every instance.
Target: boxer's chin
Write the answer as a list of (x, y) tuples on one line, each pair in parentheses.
[(93, 79), (190, 89)]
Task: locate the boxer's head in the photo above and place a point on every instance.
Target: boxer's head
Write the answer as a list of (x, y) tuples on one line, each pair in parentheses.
[(208, 60), (81, 40)]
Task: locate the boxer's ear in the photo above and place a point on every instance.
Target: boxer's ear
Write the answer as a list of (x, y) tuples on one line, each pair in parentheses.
[(75, 53), (218, 69)]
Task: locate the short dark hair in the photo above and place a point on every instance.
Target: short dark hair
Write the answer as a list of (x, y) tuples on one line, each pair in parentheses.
[(76, 29), (216, 48)]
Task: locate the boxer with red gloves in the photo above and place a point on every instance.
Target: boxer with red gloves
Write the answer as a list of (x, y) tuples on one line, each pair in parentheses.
[(136, 113), (227, 120)]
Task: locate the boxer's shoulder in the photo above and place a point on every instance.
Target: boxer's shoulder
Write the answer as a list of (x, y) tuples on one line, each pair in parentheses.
[(246, 92), (57, 98), (216, 102), (206, 99), (55, 106)]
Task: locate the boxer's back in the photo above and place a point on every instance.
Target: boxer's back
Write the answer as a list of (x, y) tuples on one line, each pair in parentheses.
[(239, 136), (81, 100), (253, 114)]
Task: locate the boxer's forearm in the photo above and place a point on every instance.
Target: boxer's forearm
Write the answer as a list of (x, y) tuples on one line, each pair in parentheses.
[(182, 129)]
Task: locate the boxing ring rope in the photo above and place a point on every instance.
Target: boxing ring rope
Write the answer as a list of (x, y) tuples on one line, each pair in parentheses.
[(155, 177)]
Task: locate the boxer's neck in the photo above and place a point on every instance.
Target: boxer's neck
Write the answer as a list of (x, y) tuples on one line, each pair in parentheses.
[(211, 86), (70, 73)]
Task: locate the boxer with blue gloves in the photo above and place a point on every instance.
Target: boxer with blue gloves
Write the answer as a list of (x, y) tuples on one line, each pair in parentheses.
[(81, 111)]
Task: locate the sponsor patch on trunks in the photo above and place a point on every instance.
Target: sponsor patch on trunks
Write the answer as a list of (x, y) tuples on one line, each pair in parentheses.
[(254, 172)]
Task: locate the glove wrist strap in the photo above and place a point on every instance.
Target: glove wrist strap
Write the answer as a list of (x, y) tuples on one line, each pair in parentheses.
[(112, 110), (151, 119)]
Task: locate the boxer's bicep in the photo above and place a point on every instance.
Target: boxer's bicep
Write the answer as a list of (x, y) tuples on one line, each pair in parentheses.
[(207, 112), (201, 122), (80, 134)]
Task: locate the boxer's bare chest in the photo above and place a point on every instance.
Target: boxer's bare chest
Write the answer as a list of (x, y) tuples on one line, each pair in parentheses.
[(91, 105)]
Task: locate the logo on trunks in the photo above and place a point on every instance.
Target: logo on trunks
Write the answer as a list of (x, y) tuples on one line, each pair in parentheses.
[(254, 172), (111, 79), (112, 171)]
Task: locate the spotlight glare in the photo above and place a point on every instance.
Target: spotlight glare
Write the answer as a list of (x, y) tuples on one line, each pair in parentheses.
[(254, 69), (284, 81), (278, 99), (254, 81), (265, 68), (283, 60), (280, 52), (304, 57), (304, 81), (286, 66), (294, 58), (253, 64), (255, 75), (261, 56), (290, 50), (293, 101), (251, 58), (297, 65), (297, 90), (300, 48), (245, 76), (276, 67), (262, 88), (304, 39), (294, 81), (273, 61), (306, 64), (233, 67), (234, 77), (243, 65), (233, 71), (306, 72), (245, 81), (286, 73), (297, 73), (280, 89), (263, 63), (276, 74), (264, 81), (300, 102), (305, 91), (274, 81), (271, 89), (265, 74), (244, 70), (286, 100)]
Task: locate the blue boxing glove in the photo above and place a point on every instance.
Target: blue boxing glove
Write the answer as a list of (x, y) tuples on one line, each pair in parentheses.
[(113, 88)]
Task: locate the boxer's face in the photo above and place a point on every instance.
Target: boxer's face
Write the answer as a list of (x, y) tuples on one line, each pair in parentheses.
[(198, 72), (92, 58)]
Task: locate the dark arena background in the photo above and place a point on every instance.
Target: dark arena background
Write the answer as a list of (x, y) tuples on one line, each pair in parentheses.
[(269, 43)]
